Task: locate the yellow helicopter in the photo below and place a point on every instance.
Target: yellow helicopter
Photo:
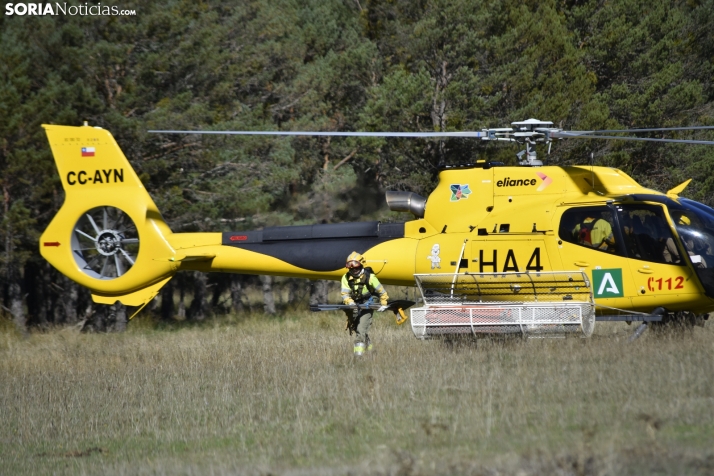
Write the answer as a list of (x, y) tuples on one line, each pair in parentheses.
[(645, 253)]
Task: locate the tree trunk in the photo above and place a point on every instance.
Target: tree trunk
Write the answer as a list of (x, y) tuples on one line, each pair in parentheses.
[(167, 301), (97, 321), (35, 299), (119, 321), (237, 293), (219, 283), (199, 306), (318, 292), (69, 300), (438, 106), (106, 318), (294, 294), (181, 281), (14, 295), (48, 293), (268, 298), (153, 306)]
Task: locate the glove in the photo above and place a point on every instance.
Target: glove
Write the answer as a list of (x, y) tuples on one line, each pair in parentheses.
[(382, 308), (349, 302)]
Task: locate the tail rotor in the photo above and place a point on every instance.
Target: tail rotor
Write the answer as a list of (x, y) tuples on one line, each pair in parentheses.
[(105, 243)]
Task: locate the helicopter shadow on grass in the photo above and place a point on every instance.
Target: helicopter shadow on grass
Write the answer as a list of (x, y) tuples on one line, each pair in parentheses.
[(460, 342)]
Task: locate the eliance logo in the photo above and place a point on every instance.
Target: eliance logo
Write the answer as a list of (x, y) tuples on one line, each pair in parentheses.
[(546, 181), (509, 182)]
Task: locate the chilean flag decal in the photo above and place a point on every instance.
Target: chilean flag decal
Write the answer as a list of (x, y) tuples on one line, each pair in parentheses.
[(87, 151)]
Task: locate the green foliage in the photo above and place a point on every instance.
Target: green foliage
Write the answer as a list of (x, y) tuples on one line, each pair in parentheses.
[(328, 199), (652, 62)]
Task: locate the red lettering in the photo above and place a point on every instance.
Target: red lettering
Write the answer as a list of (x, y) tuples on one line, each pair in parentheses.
[(654, 284), (238, 238)]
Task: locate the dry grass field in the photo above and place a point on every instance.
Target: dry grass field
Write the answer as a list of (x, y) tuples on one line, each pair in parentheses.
[(258, 395)]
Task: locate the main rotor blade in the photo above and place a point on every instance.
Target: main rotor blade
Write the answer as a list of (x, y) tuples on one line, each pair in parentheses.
[(332, 134), (654, 129), (568, 135)]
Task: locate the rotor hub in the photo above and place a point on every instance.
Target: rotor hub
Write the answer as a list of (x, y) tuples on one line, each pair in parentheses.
[(109, 242)]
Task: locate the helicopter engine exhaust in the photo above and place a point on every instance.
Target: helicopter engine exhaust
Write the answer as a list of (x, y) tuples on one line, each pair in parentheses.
[(406, 202)]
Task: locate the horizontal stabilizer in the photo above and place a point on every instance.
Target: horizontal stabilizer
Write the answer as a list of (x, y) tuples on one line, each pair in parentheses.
[(629, 318), (195, 257)]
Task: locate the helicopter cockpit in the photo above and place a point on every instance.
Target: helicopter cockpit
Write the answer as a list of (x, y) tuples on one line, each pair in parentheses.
[(641, 231)]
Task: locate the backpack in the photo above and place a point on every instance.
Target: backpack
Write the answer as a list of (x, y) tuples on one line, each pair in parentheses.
[(357, 286), (585, 231)]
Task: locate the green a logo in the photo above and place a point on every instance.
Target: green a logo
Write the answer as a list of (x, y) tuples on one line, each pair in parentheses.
[(607, 283)]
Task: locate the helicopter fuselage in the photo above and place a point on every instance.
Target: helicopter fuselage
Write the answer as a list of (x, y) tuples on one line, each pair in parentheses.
[(490, 219), (484, 218)]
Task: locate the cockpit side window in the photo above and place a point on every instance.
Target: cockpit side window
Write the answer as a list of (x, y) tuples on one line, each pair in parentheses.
[(591, 227), (647, 235)]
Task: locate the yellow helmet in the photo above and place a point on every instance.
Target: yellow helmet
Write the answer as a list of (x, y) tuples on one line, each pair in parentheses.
[(354, 260)]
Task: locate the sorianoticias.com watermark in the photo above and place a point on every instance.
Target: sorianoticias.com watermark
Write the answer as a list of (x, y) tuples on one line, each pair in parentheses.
[(57, 8)]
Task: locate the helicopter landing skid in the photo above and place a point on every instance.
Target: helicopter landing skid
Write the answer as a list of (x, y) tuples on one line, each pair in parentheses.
[(531, 304), (630, 318), (656, 316)]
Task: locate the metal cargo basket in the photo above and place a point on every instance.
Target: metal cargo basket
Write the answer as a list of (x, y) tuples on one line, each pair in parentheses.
[(533, 304)]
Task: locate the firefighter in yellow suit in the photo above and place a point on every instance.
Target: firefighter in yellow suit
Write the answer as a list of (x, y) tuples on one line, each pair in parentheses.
[(361, 286)]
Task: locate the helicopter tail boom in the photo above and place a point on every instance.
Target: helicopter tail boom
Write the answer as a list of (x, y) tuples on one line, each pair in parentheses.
[(108, 235)]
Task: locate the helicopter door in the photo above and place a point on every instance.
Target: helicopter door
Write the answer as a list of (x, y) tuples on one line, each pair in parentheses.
[(660, 275), (589, 240)]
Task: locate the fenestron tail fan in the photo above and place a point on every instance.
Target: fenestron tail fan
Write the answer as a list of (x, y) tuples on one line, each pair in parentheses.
[(108, 235)]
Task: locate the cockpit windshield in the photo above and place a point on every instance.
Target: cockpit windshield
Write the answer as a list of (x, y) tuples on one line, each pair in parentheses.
[(647, 235), (695, 226)]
